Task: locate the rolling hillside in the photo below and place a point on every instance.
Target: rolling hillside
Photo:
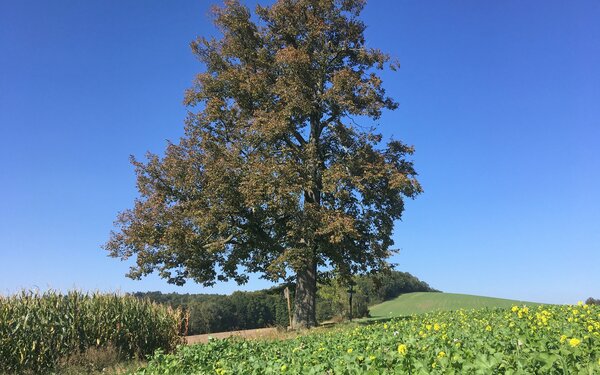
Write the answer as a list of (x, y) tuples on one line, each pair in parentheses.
[(416, 303)]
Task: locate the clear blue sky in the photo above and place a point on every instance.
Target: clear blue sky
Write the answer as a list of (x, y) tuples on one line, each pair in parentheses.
[(501, 100)]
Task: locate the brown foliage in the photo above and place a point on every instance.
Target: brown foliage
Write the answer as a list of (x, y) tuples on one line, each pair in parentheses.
[(272, 175)]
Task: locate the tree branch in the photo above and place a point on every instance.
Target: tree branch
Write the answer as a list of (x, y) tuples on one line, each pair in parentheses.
[(299, 137), (223, 242)]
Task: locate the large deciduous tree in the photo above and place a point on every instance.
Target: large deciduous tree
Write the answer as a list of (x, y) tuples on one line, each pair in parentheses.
[(273, 174)]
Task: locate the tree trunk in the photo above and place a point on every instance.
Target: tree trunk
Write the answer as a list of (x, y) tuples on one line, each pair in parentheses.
[(305, 300)]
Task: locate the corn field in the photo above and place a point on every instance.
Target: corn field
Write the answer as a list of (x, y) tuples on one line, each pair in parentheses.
[(39, 329)]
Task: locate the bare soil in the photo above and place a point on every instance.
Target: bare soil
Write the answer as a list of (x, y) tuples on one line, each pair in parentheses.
[(249, 334)]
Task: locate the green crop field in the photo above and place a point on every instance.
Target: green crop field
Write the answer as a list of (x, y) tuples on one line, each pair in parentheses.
[(513, 340), (39, 330), (417, 303)]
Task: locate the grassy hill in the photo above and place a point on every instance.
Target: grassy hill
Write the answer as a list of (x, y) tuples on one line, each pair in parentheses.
[(416, 303)]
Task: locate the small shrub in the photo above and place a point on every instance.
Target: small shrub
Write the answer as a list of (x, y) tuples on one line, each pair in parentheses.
[(93, 359)]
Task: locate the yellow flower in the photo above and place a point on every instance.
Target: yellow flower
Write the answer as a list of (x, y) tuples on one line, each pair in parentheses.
[(441, 354), (515, 308), (563, 338), (385, 326), (349, 350), (574, 342), (436, 327), (488, 328), (402, 349), (372, 357), (283, 368)]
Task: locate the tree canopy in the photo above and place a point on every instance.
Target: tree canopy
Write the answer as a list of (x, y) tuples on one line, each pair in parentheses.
[(279, 171)]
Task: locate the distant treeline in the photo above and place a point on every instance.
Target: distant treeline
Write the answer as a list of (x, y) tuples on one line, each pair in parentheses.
[(217, 313), (268, 308), (592, 301)]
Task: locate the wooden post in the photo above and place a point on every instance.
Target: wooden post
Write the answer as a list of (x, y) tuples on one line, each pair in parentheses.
[(350, 293), (286, 293)]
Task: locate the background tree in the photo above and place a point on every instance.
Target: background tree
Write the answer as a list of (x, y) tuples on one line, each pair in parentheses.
[(592, 301), (273, 175), (332, 296)]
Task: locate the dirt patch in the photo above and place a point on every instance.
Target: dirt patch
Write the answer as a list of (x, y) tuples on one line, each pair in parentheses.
[(248, 334)]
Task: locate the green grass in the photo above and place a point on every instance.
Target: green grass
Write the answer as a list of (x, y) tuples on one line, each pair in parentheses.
[(422, 302)]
